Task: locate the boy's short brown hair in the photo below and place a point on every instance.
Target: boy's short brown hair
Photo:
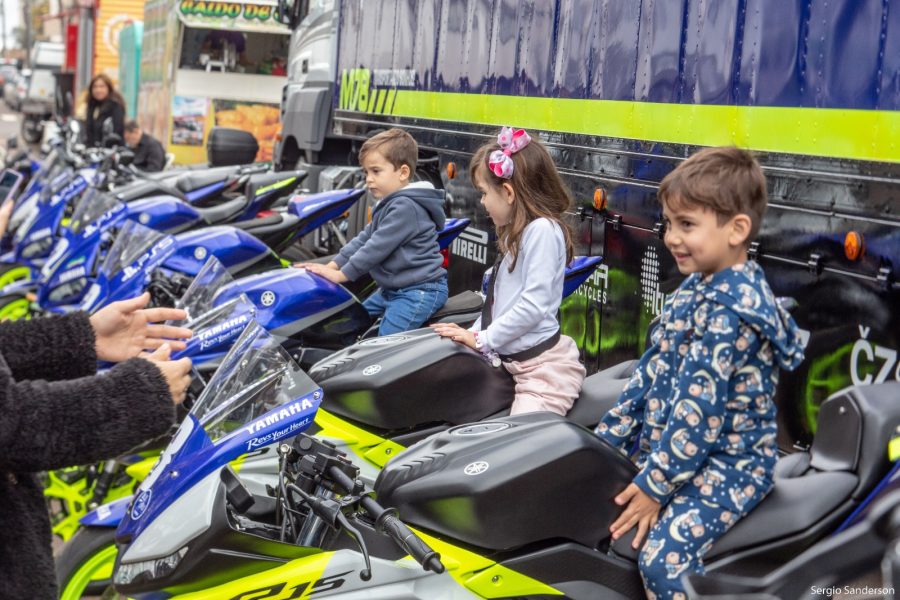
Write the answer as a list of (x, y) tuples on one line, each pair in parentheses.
[(395, 145), (726, 180)]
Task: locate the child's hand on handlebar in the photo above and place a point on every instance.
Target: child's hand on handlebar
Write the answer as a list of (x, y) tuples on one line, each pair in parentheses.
[(455, 333), (641, 510)]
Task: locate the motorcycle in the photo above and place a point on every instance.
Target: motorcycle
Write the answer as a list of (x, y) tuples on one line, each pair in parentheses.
[(462, 491), (257, 398), (63, 279)]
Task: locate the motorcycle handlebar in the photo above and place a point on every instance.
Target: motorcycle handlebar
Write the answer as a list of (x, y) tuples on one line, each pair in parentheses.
[(386, 522), (415, 546)]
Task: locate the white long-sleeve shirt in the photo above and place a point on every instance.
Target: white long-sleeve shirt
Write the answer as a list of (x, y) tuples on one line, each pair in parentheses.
[(526, 301)]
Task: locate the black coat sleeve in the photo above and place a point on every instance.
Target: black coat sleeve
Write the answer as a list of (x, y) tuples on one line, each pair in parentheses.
[(118, 116), (49, 425), (54, 348)]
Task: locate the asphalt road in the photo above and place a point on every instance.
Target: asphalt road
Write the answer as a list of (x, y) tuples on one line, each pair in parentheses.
[(9, 124)]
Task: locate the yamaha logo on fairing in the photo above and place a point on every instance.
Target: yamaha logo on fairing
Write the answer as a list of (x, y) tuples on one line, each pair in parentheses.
[(384, 340), (40, 233), (267, 298), (285, 412), (480, 429), (221, 332), (199, 252), (476, 468), (71, 275), (371, 370), (141, 504)]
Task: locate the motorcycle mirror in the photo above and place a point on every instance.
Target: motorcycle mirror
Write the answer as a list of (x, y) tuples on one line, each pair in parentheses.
[(126, 157), (111, 140)]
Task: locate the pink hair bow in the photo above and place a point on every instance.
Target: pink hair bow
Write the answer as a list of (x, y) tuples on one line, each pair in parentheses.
[(511, 141)]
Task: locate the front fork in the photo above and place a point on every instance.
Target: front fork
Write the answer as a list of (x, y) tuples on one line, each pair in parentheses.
[(104, 482)]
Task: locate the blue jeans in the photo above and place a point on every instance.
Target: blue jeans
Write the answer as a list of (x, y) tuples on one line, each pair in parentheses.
[(406, 308)]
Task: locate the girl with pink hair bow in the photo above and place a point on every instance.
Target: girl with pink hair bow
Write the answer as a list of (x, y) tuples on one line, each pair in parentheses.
[(518, 330)]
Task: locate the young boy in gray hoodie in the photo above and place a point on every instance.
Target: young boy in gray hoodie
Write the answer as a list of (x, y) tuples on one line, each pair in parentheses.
[(399, 248)]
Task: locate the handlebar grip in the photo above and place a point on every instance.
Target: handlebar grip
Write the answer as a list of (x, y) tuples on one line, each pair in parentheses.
[(410, 542)]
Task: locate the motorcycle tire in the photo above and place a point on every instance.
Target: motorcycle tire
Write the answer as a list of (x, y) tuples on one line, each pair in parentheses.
[(14, 307), (84, 566), (13, 272)]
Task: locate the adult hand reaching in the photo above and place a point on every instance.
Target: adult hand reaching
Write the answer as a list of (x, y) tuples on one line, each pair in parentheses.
[(176, 372), (125, 329)]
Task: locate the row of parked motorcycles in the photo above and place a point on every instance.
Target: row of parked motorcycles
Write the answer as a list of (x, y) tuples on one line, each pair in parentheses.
[(314, 457)]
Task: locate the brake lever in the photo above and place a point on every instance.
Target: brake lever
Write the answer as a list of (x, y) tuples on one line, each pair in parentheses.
[(353, 533)]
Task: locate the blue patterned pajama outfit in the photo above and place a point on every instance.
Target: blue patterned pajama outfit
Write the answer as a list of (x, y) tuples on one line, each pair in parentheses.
[(701, 400)]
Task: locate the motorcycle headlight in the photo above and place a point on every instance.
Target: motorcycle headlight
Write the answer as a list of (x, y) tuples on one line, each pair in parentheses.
[(67, 292), (36, 249), (127, 573)]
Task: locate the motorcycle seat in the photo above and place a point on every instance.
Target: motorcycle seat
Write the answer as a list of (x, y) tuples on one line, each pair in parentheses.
[(260, 222), (275, 230), (222, 212), (462, 303), (599, 393), (192, 181)]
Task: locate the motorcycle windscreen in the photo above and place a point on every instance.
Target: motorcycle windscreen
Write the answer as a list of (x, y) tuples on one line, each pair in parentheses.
[(23, 212), (255, 377), (198, 301), (132, 241), (92, 204)]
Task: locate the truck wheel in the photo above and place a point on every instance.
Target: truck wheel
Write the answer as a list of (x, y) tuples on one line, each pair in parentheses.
[(32, 130), (85, 565)]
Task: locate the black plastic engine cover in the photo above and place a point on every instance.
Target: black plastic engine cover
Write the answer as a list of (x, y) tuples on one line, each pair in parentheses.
[(504, 483), (412, 379)]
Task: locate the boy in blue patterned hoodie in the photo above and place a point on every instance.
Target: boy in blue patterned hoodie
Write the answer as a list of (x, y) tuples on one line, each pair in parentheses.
[(701, 399)]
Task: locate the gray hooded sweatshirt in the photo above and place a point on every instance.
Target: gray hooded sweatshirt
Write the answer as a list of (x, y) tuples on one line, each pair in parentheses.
[(399, 248)]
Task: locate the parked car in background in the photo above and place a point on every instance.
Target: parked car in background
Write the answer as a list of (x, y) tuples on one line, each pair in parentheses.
[(15, 88), (39, 100)]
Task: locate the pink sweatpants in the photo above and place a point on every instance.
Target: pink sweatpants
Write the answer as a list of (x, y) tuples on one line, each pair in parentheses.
[(551, 381)]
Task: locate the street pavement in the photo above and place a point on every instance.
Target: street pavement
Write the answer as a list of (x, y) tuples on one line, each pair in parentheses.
[(9, 124)]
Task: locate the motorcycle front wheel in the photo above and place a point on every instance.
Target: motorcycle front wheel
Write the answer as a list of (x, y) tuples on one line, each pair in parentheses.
[(84, 567)]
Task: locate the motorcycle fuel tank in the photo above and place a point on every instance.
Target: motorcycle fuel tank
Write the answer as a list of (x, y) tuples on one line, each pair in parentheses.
[(504, 483), (411, 379)]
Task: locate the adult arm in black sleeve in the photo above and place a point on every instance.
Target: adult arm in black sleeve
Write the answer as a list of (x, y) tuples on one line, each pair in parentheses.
[(49, 425), (156, 156), (52, 348)]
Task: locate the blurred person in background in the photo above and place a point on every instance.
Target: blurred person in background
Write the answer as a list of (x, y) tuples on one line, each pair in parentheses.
[(149, 154), (104, 103)]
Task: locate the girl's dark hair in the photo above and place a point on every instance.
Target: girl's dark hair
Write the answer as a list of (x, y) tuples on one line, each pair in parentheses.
[(114, 95), (540, 192)]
